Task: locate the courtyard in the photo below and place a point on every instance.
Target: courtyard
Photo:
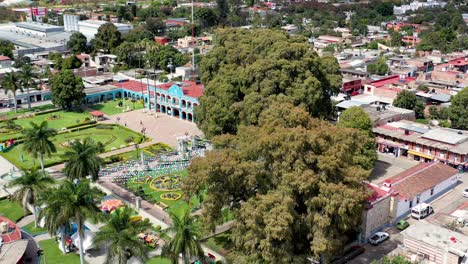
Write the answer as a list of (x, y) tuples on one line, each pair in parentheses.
[(118, 106)]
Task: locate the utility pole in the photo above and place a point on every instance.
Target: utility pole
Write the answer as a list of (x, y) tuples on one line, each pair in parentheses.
[(193, 37)]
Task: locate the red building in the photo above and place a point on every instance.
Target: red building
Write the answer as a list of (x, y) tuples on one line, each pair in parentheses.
[(161, 40), (351, 86), (419, 142), (410, 41)]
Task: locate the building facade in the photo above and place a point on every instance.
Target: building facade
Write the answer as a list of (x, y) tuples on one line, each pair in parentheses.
[(89, 28), (421, 143)]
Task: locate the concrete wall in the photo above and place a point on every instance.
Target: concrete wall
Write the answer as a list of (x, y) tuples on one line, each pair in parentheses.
[(376, 217), (433, 253)]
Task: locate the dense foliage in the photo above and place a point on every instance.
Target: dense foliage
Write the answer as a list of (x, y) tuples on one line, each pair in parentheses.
[(458, 110), (248, 70), (77, 43), (67, 90), (294, 182), (107, 37), (408, 100)]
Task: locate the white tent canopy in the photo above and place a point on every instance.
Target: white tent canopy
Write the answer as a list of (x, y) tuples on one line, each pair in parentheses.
[(87, 241)]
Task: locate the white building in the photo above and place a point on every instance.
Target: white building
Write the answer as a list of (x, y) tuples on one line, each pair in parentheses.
[(399, 10), (70, 22), (89, 28), (419, 184), (38, 29)]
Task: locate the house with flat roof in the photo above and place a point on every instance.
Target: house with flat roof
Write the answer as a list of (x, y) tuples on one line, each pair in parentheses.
[(430, 242), (422, 143)]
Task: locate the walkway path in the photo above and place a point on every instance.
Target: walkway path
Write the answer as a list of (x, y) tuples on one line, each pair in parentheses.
[(25, 220)]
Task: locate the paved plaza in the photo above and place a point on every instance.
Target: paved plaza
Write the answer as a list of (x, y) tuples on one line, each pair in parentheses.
[(159, 127)]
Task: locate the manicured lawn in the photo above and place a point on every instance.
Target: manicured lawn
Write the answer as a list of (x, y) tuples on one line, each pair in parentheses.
[(11, 210), (52, 253), (31, 229), (149, 151), (112, 107), (158, 260), (56, 120), (178, 207), (111, 138), (22, 111)]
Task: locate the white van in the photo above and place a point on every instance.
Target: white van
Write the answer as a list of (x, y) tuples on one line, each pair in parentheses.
[(421, 210)]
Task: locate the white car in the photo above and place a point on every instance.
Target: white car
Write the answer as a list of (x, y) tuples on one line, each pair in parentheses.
[(378, 238), (465, 193)]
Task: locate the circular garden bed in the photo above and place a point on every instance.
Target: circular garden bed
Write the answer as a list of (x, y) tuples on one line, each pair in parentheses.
[(172, 196)]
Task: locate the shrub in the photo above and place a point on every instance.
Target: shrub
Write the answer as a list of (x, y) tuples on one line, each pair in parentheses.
[(129, 139), (110, 127), (86, 119)]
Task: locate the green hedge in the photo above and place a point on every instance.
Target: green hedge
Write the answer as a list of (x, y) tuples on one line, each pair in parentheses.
[(82, 124)]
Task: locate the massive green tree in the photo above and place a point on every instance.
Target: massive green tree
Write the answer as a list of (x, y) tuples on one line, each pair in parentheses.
[(77, 43), (29, 186), (38, 141), (155, 25), (158, 57), (458, 110), (408, 100), (186, 238), (248, 70), (12, 84), (295, 184), (137, 34), (82, 159), (70, 203), (107, 38), (67, 90), (120, 235)]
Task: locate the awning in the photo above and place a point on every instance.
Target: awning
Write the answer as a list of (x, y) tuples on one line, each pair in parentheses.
[(420, 154), (391, 144)]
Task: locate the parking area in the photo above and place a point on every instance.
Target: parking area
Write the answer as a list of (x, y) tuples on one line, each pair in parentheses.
[(377, 252)]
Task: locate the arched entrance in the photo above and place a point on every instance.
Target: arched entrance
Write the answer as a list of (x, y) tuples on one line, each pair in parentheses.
[(184, 116), (176, 113), (189, 117), (163, 109)]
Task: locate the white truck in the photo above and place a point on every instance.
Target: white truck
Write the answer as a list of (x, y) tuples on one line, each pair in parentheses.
[(422, 210)]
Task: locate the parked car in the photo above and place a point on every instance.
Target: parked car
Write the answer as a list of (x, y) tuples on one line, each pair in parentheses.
[(378, 238), (402, 224), (465, 193), (349, 254)]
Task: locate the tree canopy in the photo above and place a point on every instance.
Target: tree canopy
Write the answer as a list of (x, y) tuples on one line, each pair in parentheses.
[(355, 117), (458, 110), (379, 67), (6, 48), (77, 43), (248, 70), (294, 183), (408, 100), (107, 37), (67, 89)]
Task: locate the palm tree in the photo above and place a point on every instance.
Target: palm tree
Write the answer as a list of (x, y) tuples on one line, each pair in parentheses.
[(26, 77), (11, 83), (121, 236), (83, 160), (185, 241), (38, 141), (30, 185), (70, 203)]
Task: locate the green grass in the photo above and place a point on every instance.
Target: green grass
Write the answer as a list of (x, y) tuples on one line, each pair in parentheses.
[(114, 138), (158, 260), (65, 119), (31, 229), (221, 243), (422, 121), (11, 210), (22, 111), (112, 108), (178, 207), (150, 151), (52, 253)]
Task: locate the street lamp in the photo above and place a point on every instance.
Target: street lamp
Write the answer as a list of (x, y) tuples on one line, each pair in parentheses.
[(170, 66)]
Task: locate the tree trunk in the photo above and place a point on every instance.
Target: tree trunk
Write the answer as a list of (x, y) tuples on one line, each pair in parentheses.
[(29, 98), (35, 215), (82, 260), (16, 106), (42, 162)]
